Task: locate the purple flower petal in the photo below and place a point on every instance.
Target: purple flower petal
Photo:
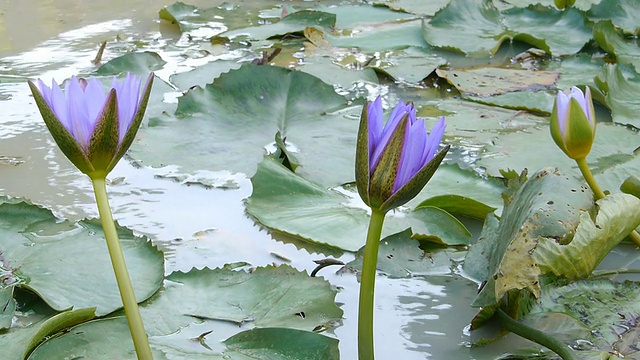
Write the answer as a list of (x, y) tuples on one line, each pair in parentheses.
[(383, 138)]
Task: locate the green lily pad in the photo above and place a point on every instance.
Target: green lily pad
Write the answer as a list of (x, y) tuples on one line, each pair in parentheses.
[(228, 124), (611, 318), (459, 205), (495, 81), (469, 26), (611, 159), (383, 36), (141, 63), (547, 28), (577, 70), (108, 339), (631, 186), (278, 300), (8, 307), (292, 23), (618, 215), (268, 297), (181, 14), (546, 208), (337, 219), (400, 256), (622, 46), (478, 28), (68, 264), (19, 342), (411, 65), (282, 343), (540, 102), (620, 94), (419, 7), (623, 14), (357, 17), (203, 75)]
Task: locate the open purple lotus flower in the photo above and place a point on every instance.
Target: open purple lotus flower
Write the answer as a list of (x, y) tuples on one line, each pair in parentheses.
[(573, 122), (395, 160), (93, 127)]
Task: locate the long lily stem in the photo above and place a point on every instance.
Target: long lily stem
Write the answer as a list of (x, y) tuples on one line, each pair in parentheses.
[(598, 193), (138, 334), (535, 335), (367, 287)]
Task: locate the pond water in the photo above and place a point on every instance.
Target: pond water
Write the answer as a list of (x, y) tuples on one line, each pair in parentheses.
[(423, 317)]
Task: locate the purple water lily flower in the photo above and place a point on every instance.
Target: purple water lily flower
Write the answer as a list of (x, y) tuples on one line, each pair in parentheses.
[(400, 156), (93, 127), (573, 122)]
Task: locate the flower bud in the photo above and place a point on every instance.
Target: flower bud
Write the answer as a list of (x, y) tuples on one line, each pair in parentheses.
[(573, 123), (93, 128), (395, 160)]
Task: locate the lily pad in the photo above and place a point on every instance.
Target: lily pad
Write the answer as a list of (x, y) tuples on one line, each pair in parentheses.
[(335, 218), (546, 208), (611, 159), (228, 124), (19, 342), (141, 63), (67, 264), (547, 28), (383, 36), (618, 215), (282, 343), (469, 26), (292, 23), (401, 256), (459, 205), (478, 28), (611, 318), (108, 339), (623, 14), (620, 94), (494, 81), (622, 46), (418, 7)]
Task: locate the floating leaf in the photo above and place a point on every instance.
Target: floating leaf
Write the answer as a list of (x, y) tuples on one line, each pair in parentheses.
[(282, 343), (608, 309), (623, 47), (68, 264), (19, 342), (419, 7), (623, 14), (469, 26), (618, 215), (228, 124), (478, 28), (620, 94), (545, 208), (329, 217), (494, 81), (557, 32), (293, 23), (141, 63), (222, 301), (459, 205), (400, 256)]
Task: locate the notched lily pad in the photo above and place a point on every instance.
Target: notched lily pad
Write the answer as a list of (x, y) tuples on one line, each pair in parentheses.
[(333, 217), (68, 264), (141, 63), (401, 256), (494, 81)]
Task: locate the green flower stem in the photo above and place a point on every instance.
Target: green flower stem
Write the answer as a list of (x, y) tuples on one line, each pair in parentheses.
[(537, 336), (599, 194), (367, 285), (138, 334)]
